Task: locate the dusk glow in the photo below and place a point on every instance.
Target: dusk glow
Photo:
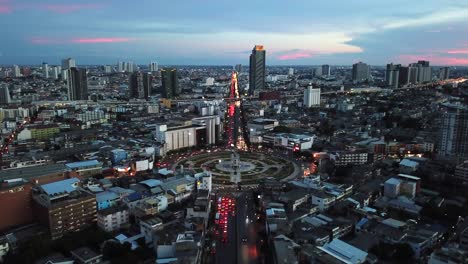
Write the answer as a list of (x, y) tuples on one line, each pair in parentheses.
[(294, 56), (100, 40)]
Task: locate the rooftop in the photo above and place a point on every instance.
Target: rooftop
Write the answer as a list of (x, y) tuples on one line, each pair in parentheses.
[(32, 172), (81, 164), (344, 252), (66, 186)]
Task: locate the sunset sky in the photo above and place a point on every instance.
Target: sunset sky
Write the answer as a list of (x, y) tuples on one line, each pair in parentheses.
[(294, 32)]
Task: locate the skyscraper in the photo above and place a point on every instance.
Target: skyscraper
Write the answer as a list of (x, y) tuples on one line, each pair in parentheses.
[(404, 76), (153, 66), (107, 69), (238, 68), (444, 73), (4, 94), (68, 63), (424, 71), (453, 137), (16, 71), (311, 96), (120, 66), (170, 87), (413, 74), (77, 84), (392, 75), (140, 85), (64, 75), (291, 72), (326, 70), (55, 72), (45, 70), (257, 69), (361, 72)]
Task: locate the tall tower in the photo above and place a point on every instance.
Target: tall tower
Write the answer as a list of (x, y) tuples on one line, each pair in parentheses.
[(392, 75), (68, 63), (361, 72), (444, 73), (153, 66), (45, 70), (16, 71), (311, 96), (257, 69), (170, 87), (140, 85), (4, 94), (326, 70), (453, 137), (77, 84)]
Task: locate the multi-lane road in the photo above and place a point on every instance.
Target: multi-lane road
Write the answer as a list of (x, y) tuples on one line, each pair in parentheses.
[(240, 245)]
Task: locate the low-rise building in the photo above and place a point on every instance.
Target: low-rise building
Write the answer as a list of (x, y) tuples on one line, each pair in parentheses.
[(85, 255), (84, 169), (113, 218)]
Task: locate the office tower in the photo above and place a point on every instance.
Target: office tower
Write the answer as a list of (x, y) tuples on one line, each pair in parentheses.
[(4, 94), (64, 207), (413, 74), (64, 74), (77, 84), (55, 72), (404, 78), (444, 73), (45, 70), (392, 75), (316, 72), (16, 71), (238, 68), (453, 137), (361, 72), (257, 69), (424, 71), (153, 67), (59, 68), (120, 66), (311, 96), (130, 67), (170, 87), (68, 63), (326, 70), (140, 85), (291, 72), (107, 69)]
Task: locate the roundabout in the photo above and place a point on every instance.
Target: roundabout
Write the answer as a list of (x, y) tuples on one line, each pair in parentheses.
[(245, 168)]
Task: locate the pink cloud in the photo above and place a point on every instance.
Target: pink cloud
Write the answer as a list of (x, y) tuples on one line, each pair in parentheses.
[(68, 8), (100, 40), (294, 56), (48, 40), (433, 59), (5, 9), (458, 51)]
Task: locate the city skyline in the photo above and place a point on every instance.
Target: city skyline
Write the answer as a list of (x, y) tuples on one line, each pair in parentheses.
[(299, 33)]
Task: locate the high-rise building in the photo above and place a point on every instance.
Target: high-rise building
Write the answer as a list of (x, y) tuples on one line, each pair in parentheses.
[(257, 69), (413, 74), (64, 207), (326, 71), (291, 72), (404, 76), (120, 66), (77, 84), (107, 69), (170, 86), (64, 74), (153, 66), (392, 75), (453, 137), (361, 72), (444, 73), (316, 72), (55, 72), (16, 71), (140, 85), (238, 68), (45, 70), (130, 67), (68, 63), (424, 71), (4, 94), (311, 96)]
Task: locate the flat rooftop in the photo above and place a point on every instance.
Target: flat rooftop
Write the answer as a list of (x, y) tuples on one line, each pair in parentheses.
[(32, 172)]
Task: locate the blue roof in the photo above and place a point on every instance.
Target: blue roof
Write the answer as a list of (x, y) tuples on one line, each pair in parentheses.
[(67, 186), (80, 164), (106, 196), (151, 183), (134, 197), (362, 222)]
